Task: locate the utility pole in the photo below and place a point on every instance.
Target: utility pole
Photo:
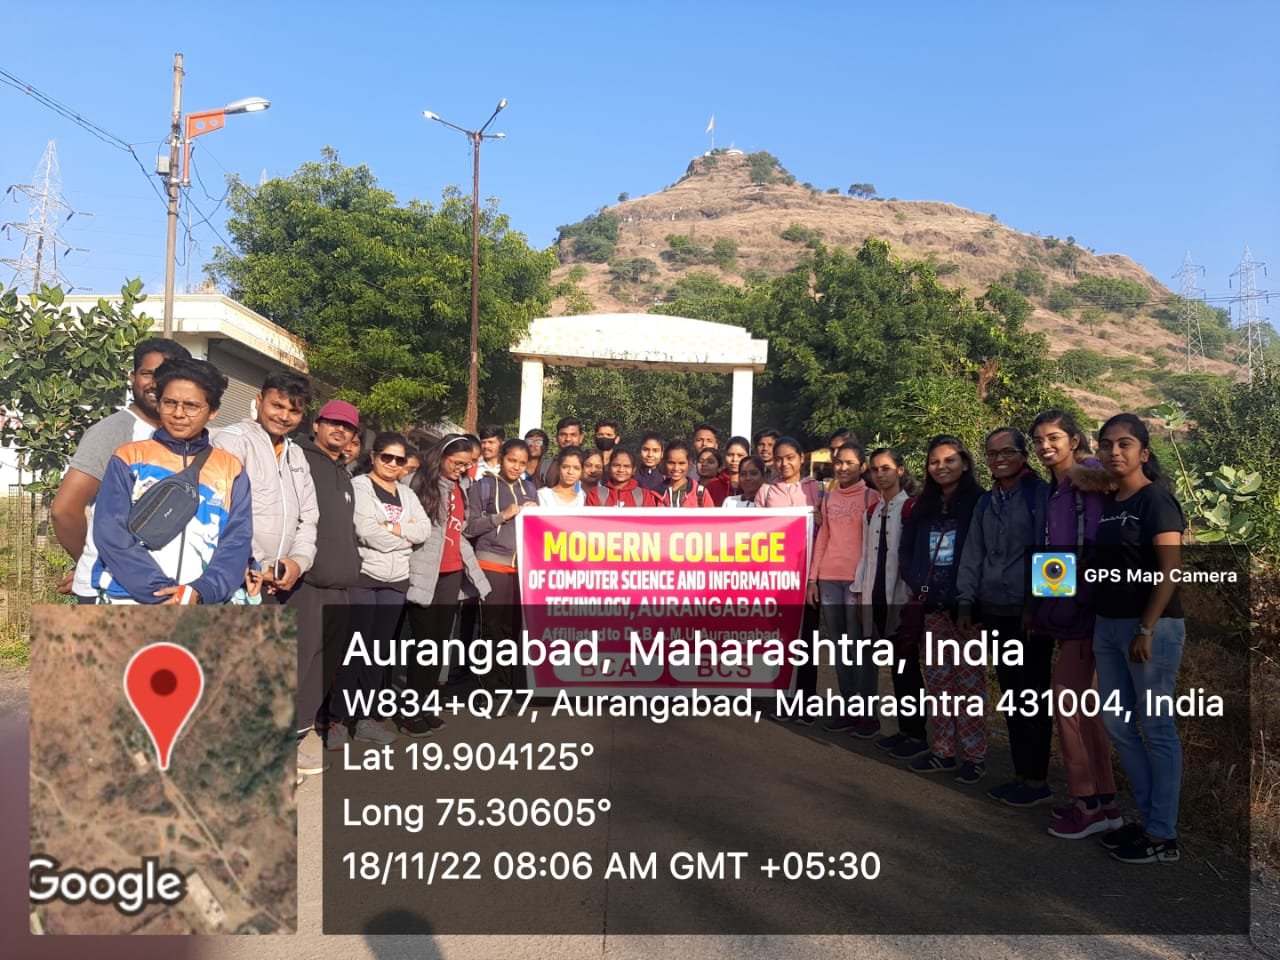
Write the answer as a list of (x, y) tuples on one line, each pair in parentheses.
[(1188, 294), (1250, 323), (476, 137), (173, 186)]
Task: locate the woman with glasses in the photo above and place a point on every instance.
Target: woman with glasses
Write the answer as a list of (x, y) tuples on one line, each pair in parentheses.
[(991, 589), (933, 539), (390, 523), (208, 561), (444, 570)]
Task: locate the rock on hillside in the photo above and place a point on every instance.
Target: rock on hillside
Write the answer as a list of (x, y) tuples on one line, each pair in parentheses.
[(770, 223)]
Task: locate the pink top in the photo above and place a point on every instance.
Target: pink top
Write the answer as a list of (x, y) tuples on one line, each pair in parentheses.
[(838, 547), (806, 493)]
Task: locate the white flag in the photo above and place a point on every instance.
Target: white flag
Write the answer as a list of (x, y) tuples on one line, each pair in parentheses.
[(711, 124)]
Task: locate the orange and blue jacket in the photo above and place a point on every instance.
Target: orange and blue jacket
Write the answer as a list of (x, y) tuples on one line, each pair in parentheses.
[(211, 555)]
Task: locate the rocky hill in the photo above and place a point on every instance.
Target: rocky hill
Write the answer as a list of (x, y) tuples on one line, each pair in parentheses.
[(721, 217)]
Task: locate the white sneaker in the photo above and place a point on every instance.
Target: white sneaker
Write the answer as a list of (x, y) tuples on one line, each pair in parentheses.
[(373, 731), (337, 736), (310, 760)]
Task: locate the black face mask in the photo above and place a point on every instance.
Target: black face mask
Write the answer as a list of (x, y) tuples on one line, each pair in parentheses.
[(606, 443)]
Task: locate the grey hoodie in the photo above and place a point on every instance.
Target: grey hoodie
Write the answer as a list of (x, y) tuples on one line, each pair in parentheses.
[(285, 513)]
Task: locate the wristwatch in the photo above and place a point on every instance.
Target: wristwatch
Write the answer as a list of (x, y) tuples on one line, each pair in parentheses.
[(1144, 631)]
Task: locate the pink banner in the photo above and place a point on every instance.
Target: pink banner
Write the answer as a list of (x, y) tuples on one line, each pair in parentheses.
[(674, 598)]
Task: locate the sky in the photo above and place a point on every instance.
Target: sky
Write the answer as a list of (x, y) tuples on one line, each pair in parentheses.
[(1143, 128)]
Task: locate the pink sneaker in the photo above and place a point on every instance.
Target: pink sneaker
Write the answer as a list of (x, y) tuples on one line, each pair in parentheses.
[(1077, 824)]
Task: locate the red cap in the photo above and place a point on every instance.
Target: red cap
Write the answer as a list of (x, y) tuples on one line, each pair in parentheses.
[(339, 411)]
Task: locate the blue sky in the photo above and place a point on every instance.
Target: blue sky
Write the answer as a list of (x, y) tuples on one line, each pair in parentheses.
[(1139, 128)]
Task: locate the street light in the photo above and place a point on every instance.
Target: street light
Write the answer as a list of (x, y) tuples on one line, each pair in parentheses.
[(197, 124), (472, 414)]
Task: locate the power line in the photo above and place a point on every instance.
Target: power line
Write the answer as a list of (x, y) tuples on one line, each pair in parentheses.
[(106, 136)]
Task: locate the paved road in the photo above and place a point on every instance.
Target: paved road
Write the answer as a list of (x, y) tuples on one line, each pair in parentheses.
[(818, 767)]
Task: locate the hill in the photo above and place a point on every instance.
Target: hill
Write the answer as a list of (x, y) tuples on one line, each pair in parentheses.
[(741, 215)]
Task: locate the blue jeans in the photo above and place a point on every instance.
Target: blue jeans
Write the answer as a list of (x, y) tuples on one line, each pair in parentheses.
[(842, 616), (1154, 767)]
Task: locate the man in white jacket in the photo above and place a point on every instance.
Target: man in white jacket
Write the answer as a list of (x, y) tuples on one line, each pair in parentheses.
[(284, 496)]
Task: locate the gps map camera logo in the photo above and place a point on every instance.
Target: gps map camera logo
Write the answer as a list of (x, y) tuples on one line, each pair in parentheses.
[(1053, 575)]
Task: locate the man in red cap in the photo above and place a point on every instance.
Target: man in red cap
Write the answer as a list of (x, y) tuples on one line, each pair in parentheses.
[(321, 637)]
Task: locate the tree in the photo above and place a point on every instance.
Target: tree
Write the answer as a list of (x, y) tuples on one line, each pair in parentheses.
[(63, 371), (381, 290), (623, 197), (846, 331), (763, 166), (863, 190), (594, 238)]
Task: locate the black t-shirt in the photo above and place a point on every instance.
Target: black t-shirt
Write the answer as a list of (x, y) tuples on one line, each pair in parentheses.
[(1124, 542)]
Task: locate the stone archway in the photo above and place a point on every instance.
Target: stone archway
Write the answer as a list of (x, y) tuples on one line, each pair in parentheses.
[(640, 341)]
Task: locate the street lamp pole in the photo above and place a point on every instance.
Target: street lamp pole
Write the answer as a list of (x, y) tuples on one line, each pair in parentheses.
[(177, 175), (172, 187), (472, 415)]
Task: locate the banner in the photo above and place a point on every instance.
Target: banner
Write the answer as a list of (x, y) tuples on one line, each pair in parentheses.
[(674, 598)]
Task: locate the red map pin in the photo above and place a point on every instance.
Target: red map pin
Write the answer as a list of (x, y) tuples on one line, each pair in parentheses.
[(163, 682)]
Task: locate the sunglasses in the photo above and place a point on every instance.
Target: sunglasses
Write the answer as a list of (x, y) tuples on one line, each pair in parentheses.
[(391, 458)]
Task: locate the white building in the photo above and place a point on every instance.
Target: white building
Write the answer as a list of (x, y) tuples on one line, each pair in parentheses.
[(244, 345)]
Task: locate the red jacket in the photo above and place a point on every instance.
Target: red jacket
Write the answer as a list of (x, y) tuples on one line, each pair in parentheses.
[(719, 487), (696, 495), (630, 494)]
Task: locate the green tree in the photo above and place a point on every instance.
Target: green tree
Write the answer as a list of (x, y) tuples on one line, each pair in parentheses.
[(864, 190), (1028, 281), (763, 167), (633, 270), (845, 332), (63, 371), (381, 290), (594, 239), (725, 253)]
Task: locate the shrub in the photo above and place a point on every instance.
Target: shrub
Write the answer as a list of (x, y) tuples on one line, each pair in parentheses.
[(1028, 281), (1061, 299), (633, 270), (1111, 293), (799, 233), (725, 253), (1082, 367), (594, 238), (763, 166)]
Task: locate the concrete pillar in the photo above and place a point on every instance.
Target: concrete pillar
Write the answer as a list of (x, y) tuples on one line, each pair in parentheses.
[(531, 376), (740, 414)]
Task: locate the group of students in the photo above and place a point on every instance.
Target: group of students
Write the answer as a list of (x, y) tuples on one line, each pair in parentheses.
[(419, 533), (958, 556)]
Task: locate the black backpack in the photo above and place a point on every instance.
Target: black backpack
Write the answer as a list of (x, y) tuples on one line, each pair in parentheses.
[(167, 507)]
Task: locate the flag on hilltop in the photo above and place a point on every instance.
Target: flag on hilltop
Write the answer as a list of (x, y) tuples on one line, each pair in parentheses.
[(711, 124)]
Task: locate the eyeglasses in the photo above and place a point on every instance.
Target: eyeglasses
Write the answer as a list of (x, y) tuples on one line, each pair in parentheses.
[(391, 458), (189, 407), (338, 425), (1008, 453)]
